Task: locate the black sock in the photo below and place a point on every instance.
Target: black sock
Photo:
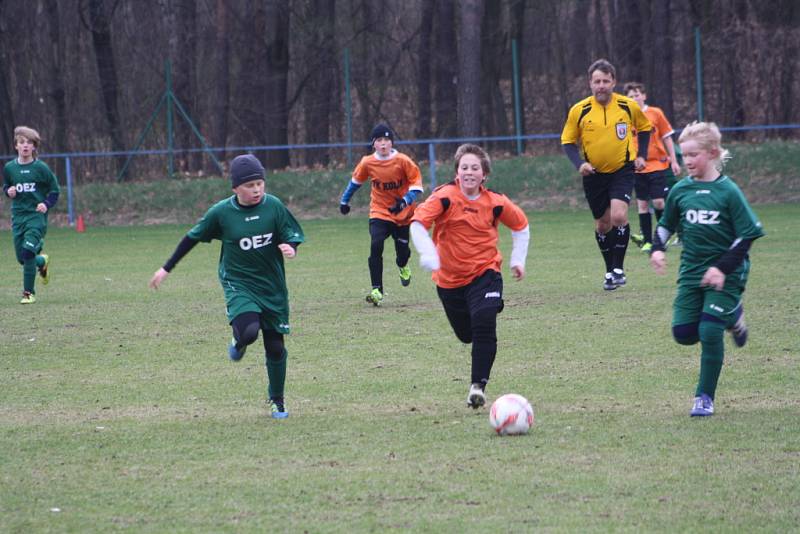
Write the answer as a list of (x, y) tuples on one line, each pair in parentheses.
[(605, 243), (622, 234), (645, 223)]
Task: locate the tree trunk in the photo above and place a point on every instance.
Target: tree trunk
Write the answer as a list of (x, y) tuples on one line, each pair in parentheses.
[(220, 81), (445, 107), (276, 124), (424, 105), (518, 9), (100, 27), (6, 111), (494, 57), (659, 86), (317, 98), (469, 67)]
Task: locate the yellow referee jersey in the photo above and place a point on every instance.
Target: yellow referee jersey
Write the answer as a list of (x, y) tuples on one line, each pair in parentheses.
[(605, 132)]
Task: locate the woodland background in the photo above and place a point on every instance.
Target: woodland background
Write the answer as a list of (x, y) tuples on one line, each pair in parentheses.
[(89, 73)]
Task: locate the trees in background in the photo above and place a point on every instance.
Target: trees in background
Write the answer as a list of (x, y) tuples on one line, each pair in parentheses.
[(89, 74)]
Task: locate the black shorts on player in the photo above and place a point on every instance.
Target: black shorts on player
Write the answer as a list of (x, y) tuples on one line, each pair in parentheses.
[(650, 185), (599, 188)]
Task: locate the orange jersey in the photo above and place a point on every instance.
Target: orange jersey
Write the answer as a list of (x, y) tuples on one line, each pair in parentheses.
[(465, 231), (657, 155), (391, 179)]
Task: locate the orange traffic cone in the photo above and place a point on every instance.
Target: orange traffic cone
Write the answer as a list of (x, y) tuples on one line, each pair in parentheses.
[(80, 227)]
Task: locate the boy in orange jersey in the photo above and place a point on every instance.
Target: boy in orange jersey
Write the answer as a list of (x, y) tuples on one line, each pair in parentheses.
[(464, 257), (651, 182), (396, 184)]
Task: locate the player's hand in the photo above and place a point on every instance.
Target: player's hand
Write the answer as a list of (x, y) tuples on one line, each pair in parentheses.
[(586, 169), (658, 261), (713, 278), (41, 207), (344, 209), (676, 168), (158, 277), (429, 262), (518, 272), (287, 250), (12, 192), (399, 206), (639, 163)]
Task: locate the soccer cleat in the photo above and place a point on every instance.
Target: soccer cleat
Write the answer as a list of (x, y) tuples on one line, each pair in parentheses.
[(608, 283), (405, 275), (375, 297), (739, 329), (618, 276), (476, 397), (638, 240), (235, 354), (27, 298), (675, 241), (278, 408), (647, 248), (43, 272), (702, 406)]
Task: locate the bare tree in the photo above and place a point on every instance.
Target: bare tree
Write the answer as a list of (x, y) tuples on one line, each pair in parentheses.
[(321, 62), (276, 125), (424, 103), (659, 83), (99, 24), (6, 111), (469, 67), (220, 79), (494, 69), (445, 92)]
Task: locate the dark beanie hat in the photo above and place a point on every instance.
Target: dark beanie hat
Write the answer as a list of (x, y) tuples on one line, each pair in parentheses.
[(381, 130), (244, 169)]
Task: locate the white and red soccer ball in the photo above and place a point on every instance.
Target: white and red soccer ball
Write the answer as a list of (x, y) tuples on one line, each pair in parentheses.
[(511, 414)]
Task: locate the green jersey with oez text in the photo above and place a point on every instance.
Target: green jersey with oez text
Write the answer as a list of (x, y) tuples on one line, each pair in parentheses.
[(250, 261), (710, 217), (33, 182)]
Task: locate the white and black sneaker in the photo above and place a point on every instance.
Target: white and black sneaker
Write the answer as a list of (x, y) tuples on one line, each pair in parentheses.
[(618, 275), (476, 397), (608, 282)]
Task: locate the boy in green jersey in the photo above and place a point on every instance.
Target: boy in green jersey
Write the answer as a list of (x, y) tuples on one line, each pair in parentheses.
[(717, 227), (257, 232), (33, 189)]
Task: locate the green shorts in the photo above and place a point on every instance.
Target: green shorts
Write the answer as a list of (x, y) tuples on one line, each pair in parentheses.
[(691, 301), (242, 302), (28, 237)]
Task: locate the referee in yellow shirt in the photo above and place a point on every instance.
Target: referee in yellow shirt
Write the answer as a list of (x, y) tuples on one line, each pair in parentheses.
[(603, 125)]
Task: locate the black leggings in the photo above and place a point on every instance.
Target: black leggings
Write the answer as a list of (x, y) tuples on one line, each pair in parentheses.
[(245, 330), (379, 231)]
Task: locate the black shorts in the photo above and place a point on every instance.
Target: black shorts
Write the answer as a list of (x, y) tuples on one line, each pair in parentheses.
[(600, 187), (380, 230), (650, 185), (486, 291)]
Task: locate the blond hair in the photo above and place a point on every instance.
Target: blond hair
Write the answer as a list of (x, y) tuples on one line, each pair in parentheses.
[(28, 134), (486, 162), (708, 136)]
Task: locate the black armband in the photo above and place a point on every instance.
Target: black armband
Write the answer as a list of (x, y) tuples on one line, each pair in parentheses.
[(643, 140), (734, 256), (293, 245), (571, 150), (183, 248), (51, 200), (660, 238)]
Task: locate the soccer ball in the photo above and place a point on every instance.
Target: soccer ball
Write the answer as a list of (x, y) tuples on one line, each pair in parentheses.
[(511, 414)]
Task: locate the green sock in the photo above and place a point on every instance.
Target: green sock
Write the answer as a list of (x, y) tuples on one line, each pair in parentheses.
[(39, 262), (276, 376), (713, 352), (29, 274)]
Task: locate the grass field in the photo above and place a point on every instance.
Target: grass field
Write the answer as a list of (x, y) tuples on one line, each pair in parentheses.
[(119, 409)]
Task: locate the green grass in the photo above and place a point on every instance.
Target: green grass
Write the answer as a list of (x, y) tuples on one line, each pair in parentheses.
[(767, 172), (118, 405)]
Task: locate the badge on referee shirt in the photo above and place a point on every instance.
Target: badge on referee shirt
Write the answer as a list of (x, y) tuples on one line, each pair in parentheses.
[(622, 130)]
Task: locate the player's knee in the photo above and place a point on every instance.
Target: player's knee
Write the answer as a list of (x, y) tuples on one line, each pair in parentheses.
[(686, 334), (273, 346), (658, 203), (248, 334), (711, 331), (26, 255)]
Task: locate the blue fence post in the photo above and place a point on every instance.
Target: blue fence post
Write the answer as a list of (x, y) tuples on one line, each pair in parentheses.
[(432, 164), (70, 211)]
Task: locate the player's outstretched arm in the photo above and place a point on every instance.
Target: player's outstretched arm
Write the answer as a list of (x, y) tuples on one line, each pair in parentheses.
[(158, 278)]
